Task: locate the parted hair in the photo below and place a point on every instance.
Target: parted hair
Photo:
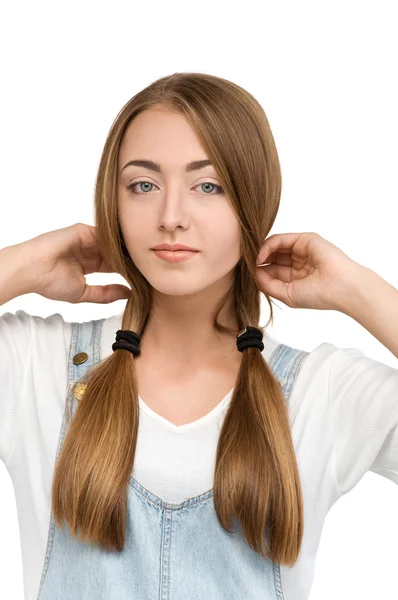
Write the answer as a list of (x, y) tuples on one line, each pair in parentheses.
[(256, 477)]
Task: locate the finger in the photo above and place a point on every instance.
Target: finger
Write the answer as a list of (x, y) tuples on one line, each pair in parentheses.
[(282, 242), (284, 273), (95, 263), (274, 287), (283, 257), (104, 294)]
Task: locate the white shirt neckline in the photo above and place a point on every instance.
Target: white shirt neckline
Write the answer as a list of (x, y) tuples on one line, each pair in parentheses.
[(193, 424)]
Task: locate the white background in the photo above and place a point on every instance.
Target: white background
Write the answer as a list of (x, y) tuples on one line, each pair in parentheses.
[(325, 73)]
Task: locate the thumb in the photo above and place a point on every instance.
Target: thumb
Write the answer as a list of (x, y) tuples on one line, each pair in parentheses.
[(105, 294), (118, 292)]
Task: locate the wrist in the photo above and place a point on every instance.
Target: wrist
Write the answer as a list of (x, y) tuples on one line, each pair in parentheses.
[(355, 290), (16, 272)]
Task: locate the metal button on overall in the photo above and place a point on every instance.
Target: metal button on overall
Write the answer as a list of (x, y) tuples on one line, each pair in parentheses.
[(80, 358), (79, 390)]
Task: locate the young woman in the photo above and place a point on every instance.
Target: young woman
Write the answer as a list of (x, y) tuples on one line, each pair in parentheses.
[(177, 450)]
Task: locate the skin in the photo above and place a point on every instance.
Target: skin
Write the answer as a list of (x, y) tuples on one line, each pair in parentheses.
[(177, 208)]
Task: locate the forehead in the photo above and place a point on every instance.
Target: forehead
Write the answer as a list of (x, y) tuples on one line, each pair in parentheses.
[(165, 137)]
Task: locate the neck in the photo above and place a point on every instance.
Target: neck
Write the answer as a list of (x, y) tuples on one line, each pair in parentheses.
[(181, 327)]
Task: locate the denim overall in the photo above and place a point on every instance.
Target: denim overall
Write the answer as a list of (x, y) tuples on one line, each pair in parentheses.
[(172, 551)]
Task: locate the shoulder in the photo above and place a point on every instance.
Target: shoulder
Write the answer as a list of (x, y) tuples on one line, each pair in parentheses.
[(316, 361), (21, 327)]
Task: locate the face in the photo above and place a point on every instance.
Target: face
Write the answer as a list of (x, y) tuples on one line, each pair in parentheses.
[(174, 206)]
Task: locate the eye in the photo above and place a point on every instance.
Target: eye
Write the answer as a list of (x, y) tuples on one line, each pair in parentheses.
[(218, 187), (131, 187)]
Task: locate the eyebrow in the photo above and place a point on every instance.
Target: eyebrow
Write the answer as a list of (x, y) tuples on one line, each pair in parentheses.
[(149, 164)]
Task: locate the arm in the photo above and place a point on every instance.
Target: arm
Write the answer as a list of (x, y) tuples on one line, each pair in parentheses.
[(15, 272), (373, 303)]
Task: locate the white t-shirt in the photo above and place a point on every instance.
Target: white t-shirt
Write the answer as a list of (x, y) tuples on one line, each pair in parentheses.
[(343, 414)]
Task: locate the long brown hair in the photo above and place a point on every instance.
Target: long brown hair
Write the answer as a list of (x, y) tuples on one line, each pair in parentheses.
[(256, 475)]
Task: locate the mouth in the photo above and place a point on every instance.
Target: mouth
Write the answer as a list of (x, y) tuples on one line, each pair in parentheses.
[(171, 251), (175, 255), (174, 248)]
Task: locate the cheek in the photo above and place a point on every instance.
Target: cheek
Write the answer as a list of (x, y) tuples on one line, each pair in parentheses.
[(224, 240), (136, 228)]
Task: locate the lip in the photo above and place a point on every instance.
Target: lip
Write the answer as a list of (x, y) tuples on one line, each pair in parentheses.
[(175, 256), (174, 247)]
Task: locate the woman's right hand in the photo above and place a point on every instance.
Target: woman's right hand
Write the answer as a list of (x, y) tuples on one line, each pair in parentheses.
[(59, 261)]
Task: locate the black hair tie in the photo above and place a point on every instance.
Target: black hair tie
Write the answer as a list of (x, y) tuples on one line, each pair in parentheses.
[(131, 341), (251, 337)]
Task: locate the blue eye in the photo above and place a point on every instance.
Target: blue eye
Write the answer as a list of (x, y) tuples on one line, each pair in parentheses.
[(218, 187), (131, 187)]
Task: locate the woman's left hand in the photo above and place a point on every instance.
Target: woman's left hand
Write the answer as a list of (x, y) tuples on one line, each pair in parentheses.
[(306, 271)]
